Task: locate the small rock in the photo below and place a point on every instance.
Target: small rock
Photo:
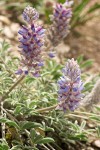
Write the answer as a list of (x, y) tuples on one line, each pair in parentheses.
[(14, 28), (1, 25), (5, 20), (96, 143), (90, 148), (62, 48), (90, 125), (7, 32)]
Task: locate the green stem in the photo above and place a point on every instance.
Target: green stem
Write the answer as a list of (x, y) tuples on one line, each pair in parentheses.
[(79, 116), (14, 85), (56, 145), (45, 147), (50, 146), (46, 109), (87, 113)]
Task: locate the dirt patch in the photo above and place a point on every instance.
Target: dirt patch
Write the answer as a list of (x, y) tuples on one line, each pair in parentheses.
[(86, 41)]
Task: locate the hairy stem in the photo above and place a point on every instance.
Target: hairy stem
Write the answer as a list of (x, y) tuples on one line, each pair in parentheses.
[(3, 124), (87, 113), (46, 148), (46, 109), (77, 116)]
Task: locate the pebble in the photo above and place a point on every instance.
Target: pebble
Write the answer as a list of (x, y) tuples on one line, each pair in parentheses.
[(96, 143), (90, 148), (5, 20), (8, 33), (14, 28), (62, 48), (91, 125)]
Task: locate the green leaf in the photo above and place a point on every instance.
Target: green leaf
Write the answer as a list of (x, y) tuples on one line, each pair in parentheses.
[(81, 6), (29, 125), (37, 138), (97, 107), (45, 140), (49, 129), (16, 148), (83, 124), (9, 122), (95, 118), (61, 1), (87, 63), (3, 120), (5, 45), (93, 8), (74, 126), (88, 87), (12, 123), (33, 134), (30, 79), (5, 147), (17, 110), (80, 59)]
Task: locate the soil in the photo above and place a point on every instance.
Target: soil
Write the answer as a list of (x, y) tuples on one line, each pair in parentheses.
[(86, 41)]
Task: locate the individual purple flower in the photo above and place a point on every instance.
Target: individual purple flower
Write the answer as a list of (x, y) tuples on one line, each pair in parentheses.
[(70, 87), (60, 22), (31, 43), (51, 54), (19, 71)]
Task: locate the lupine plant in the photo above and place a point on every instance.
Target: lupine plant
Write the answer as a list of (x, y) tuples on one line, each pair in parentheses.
[(38, 97)]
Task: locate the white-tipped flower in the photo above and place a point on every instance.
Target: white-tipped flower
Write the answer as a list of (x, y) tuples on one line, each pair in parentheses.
[(70, 87), (30, 14), (31, 43)]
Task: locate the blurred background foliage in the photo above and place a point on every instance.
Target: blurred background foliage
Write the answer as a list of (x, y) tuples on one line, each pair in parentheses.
[(83, 10)]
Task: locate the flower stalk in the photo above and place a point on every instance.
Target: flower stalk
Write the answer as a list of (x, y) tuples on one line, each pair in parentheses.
[(46, 109)]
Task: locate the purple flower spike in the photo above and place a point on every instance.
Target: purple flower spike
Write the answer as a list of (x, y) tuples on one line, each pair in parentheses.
[(30, 14), (31, 42), (60, 22), (70, 87)]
